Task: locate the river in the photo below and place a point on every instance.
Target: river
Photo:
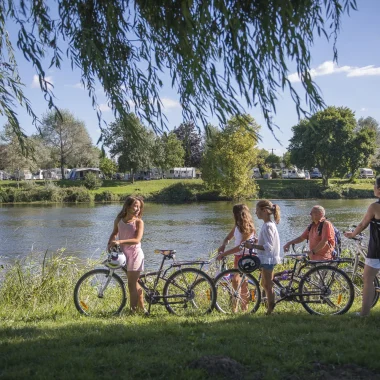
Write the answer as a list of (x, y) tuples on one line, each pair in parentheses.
[(194, 230)]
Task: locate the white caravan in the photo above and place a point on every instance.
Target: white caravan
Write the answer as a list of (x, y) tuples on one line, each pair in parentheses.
[(366, 173), (181, 173)]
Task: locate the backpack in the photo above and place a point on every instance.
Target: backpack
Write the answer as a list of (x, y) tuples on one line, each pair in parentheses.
[(337, 237)]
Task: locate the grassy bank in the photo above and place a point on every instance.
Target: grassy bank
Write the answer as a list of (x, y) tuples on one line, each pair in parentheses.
[(43, 336), (174, 191)]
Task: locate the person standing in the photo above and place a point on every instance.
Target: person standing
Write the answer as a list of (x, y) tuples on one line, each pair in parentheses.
[(372, 262)]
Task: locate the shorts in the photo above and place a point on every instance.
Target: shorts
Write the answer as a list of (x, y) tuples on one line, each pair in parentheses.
[(373, 263), (267, 266), (135, 260)]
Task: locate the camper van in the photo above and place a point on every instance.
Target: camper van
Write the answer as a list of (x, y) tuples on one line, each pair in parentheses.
[(181, 173), (366, 173), (293, 173), (23, 175), (256, 173), (80, 173)]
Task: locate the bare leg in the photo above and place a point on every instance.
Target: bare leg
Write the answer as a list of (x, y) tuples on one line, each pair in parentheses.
[(368, 289), (135, 291), (267, 283)]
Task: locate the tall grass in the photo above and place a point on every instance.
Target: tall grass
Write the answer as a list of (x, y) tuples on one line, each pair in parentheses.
[(41, 285)]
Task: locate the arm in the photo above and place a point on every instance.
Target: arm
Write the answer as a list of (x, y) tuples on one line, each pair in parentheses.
[(226, 240), (364, 223), (297, 240), (138, 236), (114, 233), (235, 249)]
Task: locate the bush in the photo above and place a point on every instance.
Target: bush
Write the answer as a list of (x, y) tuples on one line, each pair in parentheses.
[(28, 185), (332, 193), (177, 193), (92, 181), (76, 194), (357, 193), (106, 196)]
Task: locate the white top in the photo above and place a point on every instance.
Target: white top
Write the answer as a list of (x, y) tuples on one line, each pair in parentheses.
[(270, 240), (238, 239)]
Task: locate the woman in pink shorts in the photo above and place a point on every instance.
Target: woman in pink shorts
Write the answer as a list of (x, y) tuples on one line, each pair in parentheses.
[(129, 229)]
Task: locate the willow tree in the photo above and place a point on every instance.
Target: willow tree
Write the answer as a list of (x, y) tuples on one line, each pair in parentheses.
[(217, 52)]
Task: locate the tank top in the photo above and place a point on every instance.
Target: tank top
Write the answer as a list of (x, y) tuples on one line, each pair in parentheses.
[(238, 239), (374, 239), (128, 231)]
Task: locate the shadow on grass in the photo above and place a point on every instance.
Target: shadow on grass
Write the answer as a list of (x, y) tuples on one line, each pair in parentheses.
[(280, 346)]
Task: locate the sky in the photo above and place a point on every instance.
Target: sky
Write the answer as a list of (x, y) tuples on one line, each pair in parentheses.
[(353, 82)]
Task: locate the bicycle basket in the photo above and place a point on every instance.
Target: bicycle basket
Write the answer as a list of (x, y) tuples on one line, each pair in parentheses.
[(249, 263)]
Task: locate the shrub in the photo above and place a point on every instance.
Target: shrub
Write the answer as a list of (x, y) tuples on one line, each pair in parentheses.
[(177, 193), (76, 194), (332, 193), (28, 185), (106, 196), (92, 181)]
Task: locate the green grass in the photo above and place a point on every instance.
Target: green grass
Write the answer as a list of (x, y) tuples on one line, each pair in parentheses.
[(177, 191), (43, 336), (162, 346)]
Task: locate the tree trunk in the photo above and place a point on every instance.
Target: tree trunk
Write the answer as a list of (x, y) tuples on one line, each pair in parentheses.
[(325, 181), (132, 176)]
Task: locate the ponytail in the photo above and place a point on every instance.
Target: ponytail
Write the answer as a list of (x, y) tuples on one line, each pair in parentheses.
[(274, 209)]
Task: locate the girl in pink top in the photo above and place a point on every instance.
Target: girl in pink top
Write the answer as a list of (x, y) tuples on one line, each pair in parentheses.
[(129, 229)]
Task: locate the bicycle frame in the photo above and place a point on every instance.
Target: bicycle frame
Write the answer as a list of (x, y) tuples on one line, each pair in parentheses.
[(152, 296)]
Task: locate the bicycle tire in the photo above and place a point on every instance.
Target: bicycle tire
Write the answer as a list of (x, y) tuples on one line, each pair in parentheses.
[(86, 294), (318, 280), (357, 280), (228, 302), (197, 293)]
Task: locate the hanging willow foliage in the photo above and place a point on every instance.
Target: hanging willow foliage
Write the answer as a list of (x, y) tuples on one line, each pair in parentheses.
[(217, 52)]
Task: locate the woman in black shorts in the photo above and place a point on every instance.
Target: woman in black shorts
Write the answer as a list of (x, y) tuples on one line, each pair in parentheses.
[(372, 262)]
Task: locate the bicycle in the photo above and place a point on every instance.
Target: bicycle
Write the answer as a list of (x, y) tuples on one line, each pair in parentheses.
[(355, 268), (185, 291), (323, 289), (237, 291)]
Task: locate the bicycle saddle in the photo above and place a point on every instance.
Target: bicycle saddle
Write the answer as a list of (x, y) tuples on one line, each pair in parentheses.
[(165, 252)]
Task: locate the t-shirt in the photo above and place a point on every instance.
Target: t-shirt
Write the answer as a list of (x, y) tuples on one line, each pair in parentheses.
[(270, 240), (328, 234)]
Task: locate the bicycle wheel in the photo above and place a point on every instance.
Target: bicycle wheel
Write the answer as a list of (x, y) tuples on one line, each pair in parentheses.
[(189, 291), (237, 292), (326, 290), (357, 279), (98, 294)]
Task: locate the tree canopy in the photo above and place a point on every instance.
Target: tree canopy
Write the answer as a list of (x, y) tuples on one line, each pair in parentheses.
[(230, 156), (331, 141), (217, 52)]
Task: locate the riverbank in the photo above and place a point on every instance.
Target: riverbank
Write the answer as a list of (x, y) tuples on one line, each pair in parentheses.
[(175, 191)]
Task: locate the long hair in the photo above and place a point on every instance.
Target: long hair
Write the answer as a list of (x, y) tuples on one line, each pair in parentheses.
[(378, 182), (243, 219), (128, 203), (272, 208)]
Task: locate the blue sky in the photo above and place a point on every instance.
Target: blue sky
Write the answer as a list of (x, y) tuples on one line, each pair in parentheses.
[(354, 82)]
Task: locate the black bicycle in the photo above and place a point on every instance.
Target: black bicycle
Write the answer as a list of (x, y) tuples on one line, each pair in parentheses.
[(181, 288), (323, 289)]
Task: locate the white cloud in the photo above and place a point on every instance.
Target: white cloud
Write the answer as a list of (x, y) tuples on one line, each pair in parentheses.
[(170, 103), (36, 82), (76, 85), (104, 107), (330, 67)]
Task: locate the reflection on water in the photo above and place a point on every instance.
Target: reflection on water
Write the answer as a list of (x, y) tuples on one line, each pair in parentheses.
[(193, 230)]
